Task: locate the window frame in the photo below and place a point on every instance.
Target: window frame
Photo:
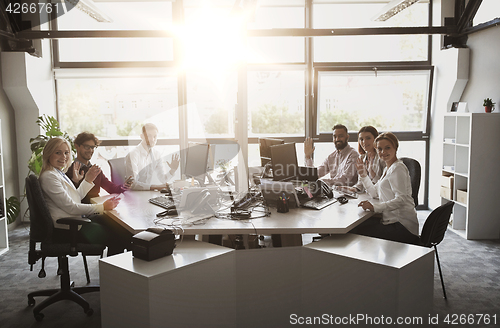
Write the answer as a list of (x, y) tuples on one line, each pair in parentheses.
[(311, 70)]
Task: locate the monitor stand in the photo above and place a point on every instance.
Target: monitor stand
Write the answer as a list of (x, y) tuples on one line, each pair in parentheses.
[(202, 180), (268, 171)]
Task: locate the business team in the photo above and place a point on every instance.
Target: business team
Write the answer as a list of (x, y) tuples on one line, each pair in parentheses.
[(377, 170)]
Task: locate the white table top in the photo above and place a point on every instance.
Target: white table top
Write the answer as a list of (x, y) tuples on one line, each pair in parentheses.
[(373, 250), (186, 253), (136, 214)]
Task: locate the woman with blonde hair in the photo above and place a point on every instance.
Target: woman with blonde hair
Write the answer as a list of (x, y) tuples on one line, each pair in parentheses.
[(64, 200), (399, 219)]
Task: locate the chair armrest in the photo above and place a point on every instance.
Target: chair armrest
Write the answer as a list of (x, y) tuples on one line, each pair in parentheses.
[(75, 220), (73, 223)]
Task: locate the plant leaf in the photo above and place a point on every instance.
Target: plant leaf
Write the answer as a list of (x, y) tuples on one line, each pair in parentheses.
[(13, 209)]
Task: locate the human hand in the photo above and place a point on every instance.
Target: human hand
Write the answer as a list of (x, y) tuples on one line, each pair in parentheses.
[(157, 187), (128, 183), (77, 174), (174, 164), (366, 205), (361, 168), (308, 147), (111, 203), (92, 173)]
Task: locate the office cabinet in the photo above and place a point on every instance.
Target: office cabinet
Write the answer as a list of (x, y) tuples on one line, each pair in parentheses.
[(471, 161), (4, 235)]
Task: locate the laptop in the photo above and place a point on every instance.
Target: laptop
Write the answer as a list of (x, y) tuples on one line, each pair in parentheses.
[(273, 190)]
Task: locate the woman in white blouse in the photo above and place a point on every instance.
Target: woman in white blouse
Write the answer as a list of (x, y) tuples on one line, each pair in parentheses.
[(399, 219), (64, 199)]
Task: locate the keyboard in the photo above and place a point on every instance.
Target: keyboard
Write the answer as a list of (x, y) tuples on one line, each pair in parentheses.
[(319, 203), (165, 202), (350, 194)]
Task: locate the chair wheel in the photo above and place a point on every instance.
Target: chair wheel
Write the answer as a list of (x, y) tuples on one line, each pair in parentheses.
[(31, 302), (39, 317), (89, 312)]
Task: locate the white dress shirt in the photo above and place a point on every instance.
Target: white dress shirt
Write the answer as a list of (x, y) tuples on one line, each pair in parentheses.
[(143, 163), (341, 165), (64, 199), (394, 192)]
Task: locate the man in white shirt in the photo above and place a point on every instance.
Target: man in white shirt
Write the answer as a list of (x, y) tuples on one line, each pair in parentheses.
[(341, 164), (144, 161)]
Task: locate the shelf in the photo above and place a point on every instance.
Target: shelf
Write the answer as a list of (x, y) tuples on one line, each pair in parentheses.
[(468, 141), (4, 236), (462, 174)]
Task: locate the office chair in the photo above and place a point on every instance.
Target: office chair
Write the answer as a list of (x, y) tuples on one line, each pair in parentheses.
[(117, 166), (433, 231), (415, 174), (41, 231)]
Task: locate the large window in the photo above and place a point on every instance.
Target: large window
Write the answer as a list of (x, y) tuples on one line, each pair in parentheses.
[(234, 70), (116, 108), (371, 48), (276, 103), (388, 100), (156, 15), (211, 100)]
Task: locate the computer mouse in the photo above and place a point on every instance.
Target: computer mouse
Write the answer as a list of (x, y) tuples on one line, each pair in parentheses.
[(342, 199)]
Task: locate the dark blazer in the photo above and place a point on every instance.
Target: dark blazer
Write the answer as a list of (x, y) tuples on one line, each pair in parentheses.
[(100, 181)]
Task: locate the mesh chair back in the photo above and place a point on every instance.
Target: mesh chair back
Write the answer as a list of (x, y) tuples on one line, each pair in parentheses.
[(117, 166), (436, 224), (415, 173), (41, 225)]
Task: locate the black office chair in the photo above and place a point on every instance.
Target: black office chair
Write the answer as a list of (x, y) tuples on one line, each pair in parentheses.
[(415, 174), (41, 231), (434, 229), (117, 166)]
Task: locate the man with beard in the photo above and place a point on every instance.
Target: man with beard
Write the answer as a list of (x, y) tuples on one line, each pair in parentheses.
[(85, 144), (341, 164)]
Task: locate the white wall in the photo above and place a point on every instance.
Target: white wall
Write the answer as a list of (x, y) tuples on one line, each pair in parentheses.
[(9, 146), (28, 83), (483, 73)]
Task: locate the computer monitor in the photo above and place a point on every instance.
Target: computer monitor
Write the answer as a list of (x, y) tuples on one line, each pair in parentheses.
[(197, 162), (265, 148), (284, 161), (224, 151)]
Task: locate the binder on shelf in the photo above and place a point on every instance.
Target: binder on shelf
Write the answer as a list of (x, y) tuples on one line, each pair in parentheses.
[(449, 140)]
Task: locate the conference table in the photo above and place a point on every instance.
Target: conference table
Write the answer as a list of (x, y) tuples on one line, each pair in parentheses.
[(135, 214), (207, 285)]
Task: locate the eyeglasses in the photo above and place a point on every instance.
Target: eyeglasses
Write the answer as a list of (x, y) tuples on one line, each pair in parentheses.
[(88, 147)]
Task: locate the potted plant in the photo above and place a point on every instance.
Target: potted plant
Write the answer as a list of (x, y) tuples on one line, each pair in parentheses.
[(488, 105), (51, 127)]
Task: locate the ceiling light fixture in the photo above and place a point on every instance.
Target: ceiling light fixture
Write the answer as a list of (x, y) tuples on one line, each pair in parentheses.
[(392, 8), (89, 7)]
